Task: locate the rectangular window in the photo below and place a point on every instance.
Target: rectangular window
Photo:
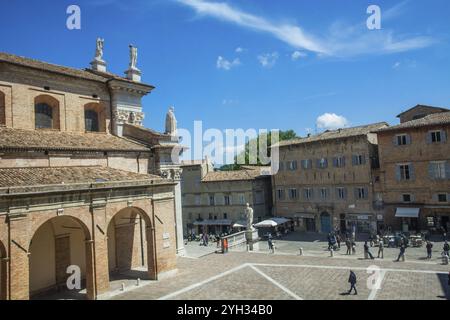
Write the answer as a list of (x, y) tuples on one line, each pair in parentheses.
[(212, 201), (225, 216), (361, 193), (339, 162), (280, 194), (210, 216), (292, 194), (292, 165), (306, 164), (402, 139), (442, 197), (359, 160), (322, 163), (226, 200), (197, 200), (406, 198), (323, 193), (436, 136), (438, 170), (405, 172), (241, 199), (341, 193), (308, 193)]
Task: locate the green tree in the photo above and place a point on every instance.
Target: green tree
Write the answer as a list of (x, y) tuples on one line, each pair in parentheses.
[(283, 135)]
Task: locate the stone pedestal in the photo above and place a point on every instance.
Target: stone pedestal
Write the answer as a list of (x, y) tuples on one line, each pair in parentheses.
[(98, 65), (134, 75), (252, 239)]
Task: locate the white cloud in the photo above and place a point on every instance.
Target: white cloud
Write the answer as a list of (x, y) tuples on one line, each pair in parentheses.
[(225, 64), (239, 50), (291, 34), (268, 60), (297, 55), (396, 65), (343, 40), (331, 121)]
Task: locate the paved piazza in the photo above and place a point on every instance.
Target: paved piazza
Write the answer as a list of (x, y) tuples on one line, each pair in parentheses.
[(285, 275)]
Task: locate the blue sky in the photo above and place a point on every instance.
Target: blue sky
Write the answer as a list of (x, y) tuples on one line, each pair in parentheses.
[(299, 59)]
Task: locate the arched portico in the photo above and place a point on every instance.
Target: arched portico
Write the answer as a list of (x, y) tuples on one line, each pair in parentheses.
[(131, 245), (58, 243)]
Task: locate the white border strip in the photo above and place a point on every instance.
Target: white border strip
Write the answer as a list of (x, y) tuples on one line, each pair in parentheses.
[(289, 292)]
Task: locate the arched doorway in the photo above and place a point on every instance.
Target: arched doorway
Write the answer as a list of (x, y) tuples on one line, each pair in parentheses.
[(131, 245), (57, 244), (3, 287), (325, 222)]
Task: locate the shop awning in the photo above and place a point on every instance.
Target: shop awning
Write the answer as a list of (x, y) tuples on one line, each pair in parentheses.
[(213, 223), (272, 222), (407, 213)]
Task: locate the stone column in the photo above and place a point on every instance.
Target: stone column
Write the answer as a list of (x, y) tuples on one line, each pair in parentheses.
[(179, 214)]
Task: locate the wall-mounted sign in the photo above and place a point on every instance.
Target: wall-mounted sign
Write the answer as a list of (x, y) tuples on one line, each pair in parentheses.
[(166, 236)]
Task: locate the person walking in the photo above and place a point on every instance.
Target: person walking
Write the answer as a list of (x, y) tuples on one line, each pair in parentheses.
[(402, 253), (348, 243), (352, 280), (446, 248), (206, 239), (367, 253), (381, 249), (338, 240), (270, 243), (329, 241), (353, 247), (429, 247)]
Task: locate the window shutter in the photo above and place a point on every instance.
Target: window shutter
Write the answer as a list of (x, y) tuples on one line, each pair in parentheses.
[(318, 163), (354, 160), (343, 161), (356, 194), (397, 173), (366, 193), (432, 171), (429, 138), (447, 170), (412, 174), (395, 141), (444, 136), (363, 159), (326, 163), (335, 162), (345, 193), (408, 139)]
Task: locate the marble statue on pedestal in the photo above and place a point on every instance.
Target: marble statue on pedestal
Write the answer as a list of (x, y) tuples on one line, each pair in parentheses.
[(99, 49), (171, 122), (249, 217), (133, 57)]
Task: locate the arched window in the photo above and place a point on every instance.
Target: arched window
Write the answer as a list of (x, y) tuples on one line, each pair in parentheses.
[(2, 109), (46, 112), (91, 121), (43, 116)]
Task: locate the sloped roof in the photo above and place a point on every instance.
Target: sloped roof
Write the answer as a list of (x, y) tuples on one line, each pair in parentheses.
[(335, 134), (438, 109), (442, 118), (19, 139), (237, 175), (86, 74), (46, 176)]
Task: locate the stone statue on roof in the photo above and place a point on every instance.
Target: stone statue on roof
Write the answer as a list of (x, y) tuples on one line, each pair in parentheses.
[(133, 57), (99, 49), (171, 122)]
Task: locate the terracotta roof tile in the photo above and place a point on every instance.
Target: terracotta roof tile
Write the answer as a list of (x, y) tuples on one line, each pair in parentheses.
[(336, 134), (237, 175), (57, 140), (21, 177), (434, 119)]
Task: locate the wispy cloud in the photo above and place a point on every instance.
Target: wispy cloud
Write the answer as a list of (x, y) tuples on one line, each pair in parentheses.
[(268, 60), (225, 64), (291, 34), (297, 55), (343, 39)]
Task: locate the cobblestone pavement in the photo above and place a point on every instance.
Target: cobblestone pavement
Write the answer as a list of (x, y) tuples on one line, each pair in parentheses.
[(255, 276)]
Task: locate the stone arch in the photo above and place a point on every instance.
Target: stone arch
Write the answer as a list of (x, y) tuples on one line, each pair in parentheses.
[(57, 243), (3, 272), (2, 109), (100, 117), (131, 244), (46, 112)]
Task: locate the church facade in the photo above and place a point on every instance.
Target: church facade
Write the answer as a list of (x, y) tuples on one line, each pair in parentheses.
[(84, 187)]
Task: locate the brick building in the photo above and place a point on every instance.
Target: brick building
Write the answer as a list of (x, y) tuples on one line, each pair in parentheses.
[(82, 183), (415, 170), (325, 181), (214, 201)]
